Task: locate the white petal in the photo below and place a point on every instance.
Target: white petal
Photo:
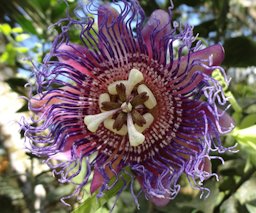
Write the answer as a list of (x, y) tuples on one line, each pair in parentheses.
[(112, 87), (151, 102), (109, 125), (103, 98), (149, 120)]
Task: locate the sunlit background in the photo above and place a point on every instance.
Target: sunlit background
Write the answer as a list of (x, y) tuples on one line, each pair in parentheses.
[(26, 185)]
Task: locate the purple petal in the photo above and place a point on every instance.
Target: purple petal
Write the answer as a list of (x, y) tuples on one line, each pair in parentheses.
[(97, 181), (161, 202), (207, 165), (41, 102), (226, 122), (215, 53), (73, 55), (112, 32), (154, 32), (63, 156), (107, 16)]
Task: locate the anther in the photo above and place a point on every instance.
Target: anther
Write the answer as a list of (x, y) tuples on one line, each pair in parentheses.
[(110, 105), (109, 123), (139, 99), (103, 98), (138, 118), (112, 87), (120, 120), (149, 120), (120, 88)]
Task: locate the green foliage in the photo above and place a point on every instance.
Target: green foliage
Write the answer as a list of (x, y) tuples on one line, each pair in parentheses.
[(93, 204), (12, 49), (243, 48), (205, 28), (17, 85)]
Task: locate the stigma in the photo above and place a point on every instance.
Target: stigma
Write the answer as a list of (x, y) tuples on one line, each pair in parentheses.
[(125, 109)]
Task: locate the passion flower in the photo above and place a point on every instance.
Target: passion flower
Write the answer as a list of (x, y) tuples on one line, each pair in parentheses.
[(133, 93)]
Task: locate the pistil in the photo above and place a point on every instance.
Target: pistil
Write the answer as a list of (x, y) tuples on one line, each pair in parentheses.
[(93, 121), (135, 137), (126, 107), (135, 77)]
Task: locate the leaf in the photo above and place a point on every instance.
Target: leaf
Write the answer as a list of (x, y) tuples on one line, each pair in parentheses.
[(251, 109), (21, 49), (204, 28), (92, 204), (26, 25), (5, 29), (232, 167), (58, 10), (208, 204), (229, 206), (251, 208), (248, 121), (177, 206), (187, 2), (228, 183), (24, 108), (22, 37), (17, 30), (17, 85), (248, 152), (240, 52), (149, 8), (40, 4), (245, 193), (9, 55), (245, 135)]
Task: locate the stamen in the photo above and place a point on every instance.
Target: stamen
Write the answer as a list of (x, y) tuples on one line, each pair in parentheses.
[(135, 77), (109, 123), (149, 120), (126, 107), (110, 105), (138, 118), (139, 99), (103, 98), (120, 88), (93, 121), (151, 102), (120, 121), (112, 87), (135, 137)]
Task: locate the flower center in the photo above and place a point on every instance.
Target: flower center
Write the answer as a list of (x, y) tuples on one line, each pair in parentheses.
[(125, 109)]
